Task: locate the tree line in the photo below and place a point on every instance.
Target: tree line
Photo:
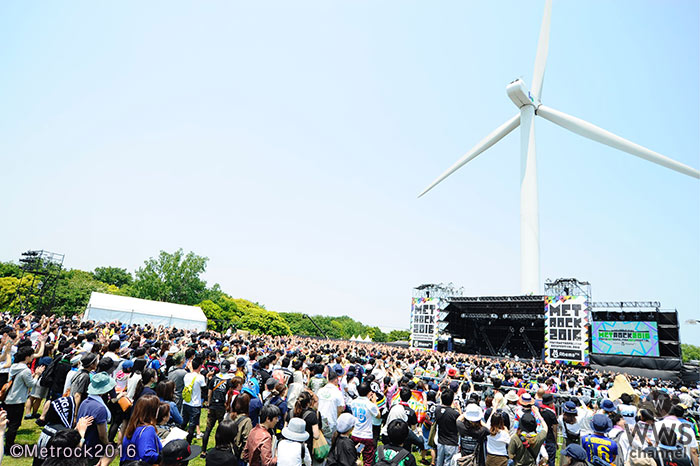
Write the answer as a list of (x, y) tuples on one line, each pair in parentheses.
[(177, 278)]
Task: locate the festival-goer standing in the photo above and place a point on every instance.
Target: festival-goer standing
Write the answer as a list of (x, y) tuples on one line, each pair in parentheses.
[(292, 449), (343, 451), (498, 440), (330, 405), (258, 449), (447, 436), (365, 411), (141, 440), (22, 383), (192, 398)]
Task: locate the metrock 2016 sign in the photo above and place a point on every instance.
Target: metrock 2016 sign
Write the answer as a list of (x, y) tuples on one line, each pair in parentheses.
[(566, 329)]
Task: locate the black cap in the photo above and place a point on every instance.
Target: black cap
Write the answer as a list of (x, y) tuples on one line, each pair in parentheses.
[(528, 423), (179, 450), (547, 398)]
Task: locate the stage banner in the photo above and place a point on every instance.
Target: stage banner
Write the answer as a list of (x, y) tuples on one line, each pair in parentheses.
[(626, 338), (566, 329), (424, 323)]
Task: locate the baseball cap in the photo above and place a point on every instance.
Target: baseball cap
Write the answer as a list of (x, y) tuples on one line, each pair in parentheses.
[(179, 450)]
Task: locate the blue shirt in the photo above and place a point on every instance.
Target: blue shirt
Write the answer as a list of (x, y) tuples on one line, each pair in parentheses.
[(600, 446), (143, 445), (93, 407), (254, 410)]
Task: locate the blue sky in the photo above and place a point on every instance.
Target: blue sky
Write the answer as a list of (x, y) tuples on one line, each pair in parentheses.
[(288, 141)]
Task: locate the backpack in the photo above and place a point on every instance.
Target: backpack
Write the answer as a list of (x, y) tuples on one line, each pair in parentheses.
[(5, 389), (572, 437), (219, 391), (187, 390), (237, 449), (395, 461), (49, 374)]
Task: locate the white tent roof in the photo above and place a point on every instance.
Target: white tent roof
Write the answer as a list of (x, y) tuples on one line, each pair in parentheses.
[(108, 307)]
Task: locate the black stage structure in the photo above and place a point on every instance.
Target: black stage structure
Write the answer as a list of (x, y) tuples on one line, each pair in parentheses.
[(667, 365), (510, 326), (495, 326)]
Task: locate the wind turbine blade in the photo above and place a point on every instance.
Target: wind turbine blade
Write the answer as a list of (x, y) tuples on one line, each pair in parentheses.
[(542, 50), (498, 134), (591, 131)]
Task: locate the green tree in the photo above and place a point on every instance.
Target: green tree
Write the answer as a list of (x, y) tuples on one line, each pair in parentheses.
[(73, 291), (10, 269), (399, 335), (113, 276), (258, 320), (221, 315), (690, 352), (9, 286), (172, 277)]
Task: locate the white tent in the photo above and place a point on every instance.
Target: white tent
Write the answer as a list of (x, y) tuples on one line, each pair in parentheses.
[(108, 307)]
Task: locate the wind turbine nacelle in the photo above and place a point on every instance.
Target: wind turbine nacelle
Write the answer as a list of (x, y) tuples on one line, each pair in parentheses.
[(520, 94)]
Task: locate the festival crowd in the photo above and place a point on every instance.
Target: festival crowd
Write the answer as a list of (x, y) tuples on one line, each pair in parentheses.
[(136, 394)]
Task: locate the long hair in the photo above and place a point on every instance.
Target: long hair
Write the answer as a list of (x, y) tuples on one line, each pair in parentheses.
[(166, 390), (242, 404), (303, 402), (147, 376), (145, 413), (497, 423), (163, 414)]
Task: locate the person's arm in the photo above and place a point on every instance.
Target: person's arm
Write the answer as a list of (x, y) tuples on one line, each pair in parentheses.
[(30, 380), (150, 451), (3, 426), (82, 425), (694, 456), (512, 448), (175, 415), (266, 456), (102, 433), (40, 352)]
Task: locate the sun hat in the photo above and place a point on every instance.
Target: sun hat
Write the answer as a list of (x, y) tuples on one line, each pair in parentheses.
[(296, 430), (570, 407), (451, 372), (101, 383), (179, 450), (601, 423), (75, 360), (608, 406), (346, 422), (473, 412), (526, 399), (511, 396), (576, 452)]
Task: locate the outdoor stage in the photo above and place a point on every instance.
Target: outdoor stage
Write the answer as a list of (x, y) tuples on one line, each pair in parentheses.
[(562, 326)]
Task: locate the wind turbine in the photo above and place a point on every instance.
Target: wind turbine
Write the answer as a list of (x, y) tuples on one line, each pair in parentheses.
[(528, 102)]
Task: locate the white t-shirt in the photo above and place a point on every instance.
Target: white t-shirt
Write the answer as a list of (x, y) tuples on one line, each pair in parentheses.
[(289, 453), (498, 444), (628, 412), (366, 412), (685, 434), (199, 383), (329, 400)]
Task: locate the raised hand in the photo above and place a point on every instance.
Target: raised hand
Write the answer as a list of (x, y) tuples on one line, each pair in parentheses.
[(83, 423)]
